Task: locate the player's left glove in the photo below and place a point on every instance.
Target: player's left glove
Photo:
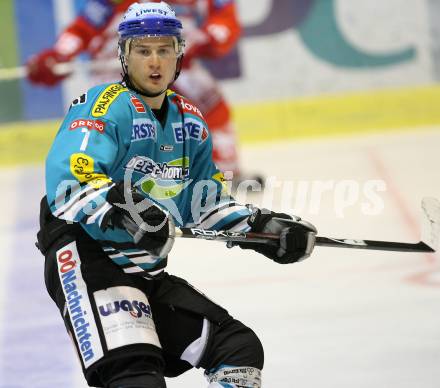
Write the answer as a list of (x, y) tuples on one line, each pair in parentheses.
[(152, 228), (297, 237)]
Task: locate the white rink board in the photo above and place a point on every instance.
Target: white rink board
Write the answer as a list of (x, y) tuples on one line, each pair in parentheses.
[(343, 318), (282, 65)]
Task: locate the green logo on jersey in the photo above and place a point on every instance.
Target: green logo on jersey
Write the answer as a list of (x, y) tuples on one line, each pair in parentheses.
[(162, 180)]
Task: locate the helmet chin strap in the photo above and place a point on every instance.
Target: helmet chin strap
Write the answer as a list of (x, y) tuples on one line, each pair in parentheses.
[(126, 79)]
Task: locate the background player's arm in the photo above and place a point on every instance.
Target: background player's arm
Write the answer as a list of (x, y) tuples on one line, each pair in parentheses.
[(76, 38), (218, 34)]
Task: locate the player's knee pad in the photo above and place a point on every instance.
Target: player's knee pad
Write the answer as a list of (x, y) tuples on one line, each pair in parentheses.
[(233, 343), (147, 380), (233, 377)]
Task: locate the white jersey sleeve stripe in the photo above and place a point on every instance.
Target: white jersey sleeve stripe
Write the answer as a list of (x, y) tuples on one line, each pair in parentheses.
[(74, 198), (216, 209), (74, 207), (100, 213), (218, 216), (242, 226)]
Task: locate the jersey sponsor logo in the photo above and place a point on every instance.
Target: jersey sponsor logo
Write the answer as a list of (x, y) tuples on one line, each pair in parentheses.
[(106, 98), (135, 308), (126, 317), (143, 129), (78, 304), (192, 129), (82, 168), (140, 108), (166, 147), (96, 125), (162, 180), (186, 107), (177, 169)]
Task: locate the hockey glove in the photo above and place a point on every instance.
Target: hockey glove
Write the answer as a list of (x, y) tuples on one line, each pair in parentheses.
[(41, 68), (297, 237), (151, 227)]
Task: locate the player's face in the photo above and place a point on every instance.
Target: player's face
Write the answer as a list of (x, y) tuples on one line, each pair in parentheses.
[(152, 63)]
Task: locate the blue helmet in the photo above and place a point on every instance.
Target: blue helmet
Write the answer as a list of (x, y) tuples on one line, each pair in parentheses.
[(151, 19)]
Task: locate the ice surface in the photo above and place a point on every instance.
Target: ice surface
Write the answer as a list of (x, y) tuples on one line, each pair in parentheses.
[(343, 318)]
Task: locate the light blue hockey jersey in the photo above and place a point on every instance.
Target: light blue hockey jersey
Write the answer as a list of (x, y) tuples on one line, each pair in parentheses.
[(110, 134)]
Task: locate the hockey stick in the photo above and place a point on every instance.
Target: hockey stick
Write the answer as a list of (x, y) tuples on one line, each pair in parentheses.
[(13, 73), (429, 243)]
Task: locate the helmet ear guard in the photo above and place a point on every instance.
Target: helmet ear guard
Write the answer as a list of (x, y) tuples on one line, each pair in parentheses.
[(178, 66)]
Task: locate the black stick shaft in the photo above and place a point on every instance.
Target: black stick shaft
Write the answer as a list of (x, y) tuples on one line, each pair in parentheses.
[(223, 235), (373, 245)]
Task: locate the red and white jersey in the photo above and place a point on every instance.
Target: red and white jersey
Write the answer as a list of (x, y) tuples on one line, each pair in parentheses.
[(211, 27)]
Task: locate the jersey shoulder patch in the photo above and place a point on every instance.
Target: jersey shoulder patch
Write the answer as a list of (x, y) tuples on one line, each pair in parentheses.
[(106, 97), (184, 105)]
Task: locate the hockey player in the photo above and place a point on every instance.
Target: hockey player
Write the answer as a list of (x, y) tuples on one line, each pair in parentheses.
[(130, 161), (211, 31)]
